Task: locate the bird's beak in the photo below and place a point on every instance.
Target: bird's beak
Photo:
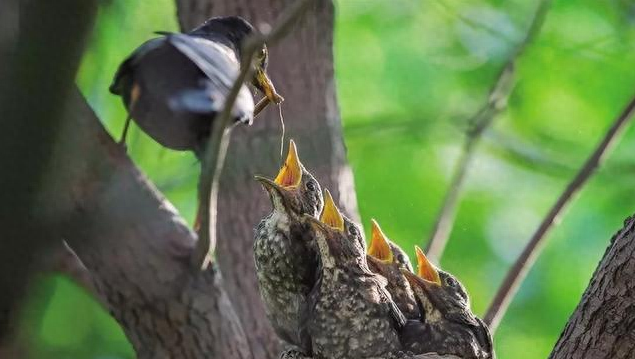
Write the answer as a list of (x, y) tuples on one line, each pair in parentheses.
[(290, 175), (425, 269), (424, 290), (376, 265), (379, 247), (276, 192), (418, 285), (266, 86), (331, 216)]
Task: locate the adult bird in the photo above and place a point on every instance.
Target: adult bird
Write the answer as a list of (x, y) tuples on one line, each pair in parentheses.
[(448, 326), (174, 85), (285, 257), (386, 258), (353, 315)]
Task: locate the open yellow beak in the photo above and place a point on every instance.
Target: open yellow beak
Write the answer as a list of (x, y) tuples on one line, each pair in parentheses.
[(425, 269), (331, 216), (379, 247), (290, 174), (267, 86)]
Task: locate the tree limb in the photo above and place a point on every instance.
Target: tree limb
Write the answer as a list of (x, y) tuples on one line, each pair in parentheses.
[(66, 262), (301, 66), (519, 270), (496, 103), (602, 325), (138, 249)]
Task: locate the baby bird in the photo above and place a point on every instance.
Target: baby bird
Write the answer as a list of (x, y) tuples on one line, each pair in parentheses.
[(352, 314), (387, 258), (448, 327), (286, 258)]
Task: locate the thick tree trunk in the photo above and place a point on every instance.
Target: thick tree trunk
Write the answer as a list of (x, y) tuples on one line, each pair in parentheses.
[(137, 248), (603, 324), (301, 66)]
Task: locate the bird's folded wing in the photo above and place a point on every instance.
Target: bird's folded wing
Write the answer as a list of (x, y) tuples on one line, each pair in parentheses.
[(395, 313), (216, 61), (484, 337), (127, 65), (220, 67)]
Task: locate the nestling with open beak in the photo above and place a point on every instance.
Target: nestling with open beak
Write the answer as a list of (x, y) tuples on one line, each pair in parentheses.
[(353, 315), (448, 325), (174, 85), (387, 258), (285, 255)]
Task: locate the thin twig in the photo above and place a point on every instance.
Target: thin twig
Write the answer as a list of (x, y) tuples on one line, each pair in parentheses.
[(527, 258), (215, 153), (496, 103)]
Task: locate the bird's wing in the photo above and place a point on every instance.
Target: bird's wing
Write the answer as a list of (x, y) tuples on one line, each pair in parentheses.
[(484, 337), (131, 61), (463, 316), (220, 67), (397, 316), (216, 61)]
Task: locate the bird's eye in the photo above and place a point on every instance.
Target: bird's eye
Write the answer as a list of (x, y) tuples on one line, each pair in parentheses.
[(450, 281), (353, 231), (310, 186), (263, 53)]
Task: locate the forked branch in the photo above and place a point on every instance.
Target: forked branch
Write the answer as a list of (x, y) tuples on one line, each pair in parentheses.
[(496, 103), (517, 273)]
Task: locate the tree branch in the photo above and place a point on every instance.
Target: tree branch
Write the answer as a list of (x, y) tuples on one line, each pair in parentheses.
[(301, 66), (216, 151), (601, 327), (138, 249), (496, 103), (519, 270), (66, 262)]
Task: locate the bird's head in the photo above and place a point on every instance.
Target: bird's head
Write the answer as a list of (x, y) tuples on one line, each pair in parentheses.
[(261, 79), (386, 251), (339, 240), (294, 190), (440, 294), (233, 30)]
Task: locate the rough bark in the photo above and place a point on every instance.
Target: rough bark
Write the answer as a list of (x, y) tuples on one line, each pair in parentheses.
[(137, 249), (603, 324), (301, 66)]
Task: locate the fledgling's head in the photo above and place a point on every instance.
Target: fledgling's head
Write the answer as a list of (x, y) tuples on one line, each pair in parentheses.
[(294, 190), (386, 251), (440, 294), (340, 241)]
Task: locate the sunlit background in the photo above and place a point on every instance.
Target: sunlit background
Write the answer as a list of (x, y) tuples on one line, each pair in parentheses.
[(409, 74)]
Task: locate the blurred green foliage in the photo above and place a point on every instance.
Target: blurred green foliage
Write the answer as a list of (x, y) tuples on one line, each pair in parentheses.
[(409, 74)]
